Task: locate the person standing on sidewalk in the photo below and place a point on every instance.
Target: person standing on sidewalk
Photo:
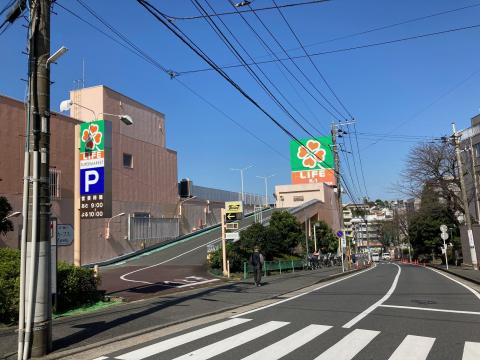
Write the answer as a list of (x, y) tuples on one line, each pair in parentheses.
[(256, 260)]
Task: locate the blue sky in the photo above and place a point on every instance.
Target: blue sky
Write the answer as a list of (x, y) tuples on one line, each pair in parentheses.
[(415, 87)]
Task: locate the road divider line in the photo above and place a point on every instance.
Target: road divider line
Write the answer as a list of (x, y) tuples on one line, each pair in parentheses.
[(232, 342), (349, 346), (413, 348), (473, 291), (303, 293), (471, 351), (290, 343), (168, 344), (430, 309), (363, 314)]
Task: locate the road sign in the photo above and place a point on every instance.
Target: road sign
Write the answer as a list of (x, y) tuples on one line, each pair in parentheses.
[(339, 233), (231, 226), (64, 234), (235, 236), (234, 207), (233, 216), (344, 242), (444, 236), (443, 228)]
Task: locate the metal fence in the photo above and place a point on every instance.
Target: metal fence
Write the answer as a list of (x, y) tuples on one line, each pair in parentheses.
[(150, 231)]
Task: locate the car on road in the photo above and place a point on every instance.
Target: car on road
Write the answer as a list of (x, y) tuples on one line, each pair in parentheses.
[(375, 257), (386, 256)]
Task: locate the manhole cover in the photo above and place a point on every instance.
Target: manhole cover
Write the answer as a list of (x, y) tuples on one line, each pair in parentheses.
[(423, 301)]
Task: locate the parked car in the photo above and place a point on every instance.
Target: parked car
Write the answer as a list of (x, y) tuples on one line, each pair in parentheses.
[(375, 257), (386, 256)]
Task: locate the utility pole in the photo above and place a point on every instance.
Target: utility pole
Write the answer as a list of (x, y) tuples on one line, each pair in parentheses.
[(475, 183), (466, 211), (224, 245), (35, 329)]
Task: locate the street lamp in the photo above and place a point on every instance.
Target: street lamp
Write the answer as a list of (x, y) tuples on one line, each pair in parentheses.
[(66, 105), (107, 230), (56, 55), (241, 176), (14, 214), (266, 186)]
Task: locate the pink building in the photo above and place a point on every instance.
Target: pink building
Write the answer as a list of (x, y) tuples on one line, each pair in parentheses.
[(144, 173)]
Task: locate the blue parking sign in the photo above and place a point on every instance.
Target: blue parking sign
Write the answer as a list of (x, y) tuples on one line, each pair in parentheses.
[(92, 181)]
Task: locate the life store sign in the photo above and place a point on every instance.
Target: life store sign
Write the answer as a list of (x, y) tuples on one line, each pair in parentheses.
[(95, 170)]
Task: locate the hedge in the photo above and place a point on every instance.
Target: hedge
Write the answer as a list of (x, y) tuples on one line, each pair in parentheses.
[(76, 286)]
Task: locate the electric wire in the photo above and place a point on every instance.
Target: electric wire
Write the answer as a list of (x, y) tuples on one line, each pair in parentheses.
[(307, 78), (346, 49), (230, 46), (311, 2), (187, 41)]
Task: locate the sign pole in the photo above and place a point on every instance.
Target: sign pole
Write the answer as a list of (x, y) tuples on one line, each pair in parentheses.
[(76, 196), (224, 248)]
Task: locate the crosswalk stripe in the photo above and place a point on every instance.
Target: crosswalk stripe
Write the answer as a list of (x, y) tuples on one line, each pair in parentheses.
[(289, 344), (180, 340), (231, 342), (349, 346), (413, 348), (471, 351)]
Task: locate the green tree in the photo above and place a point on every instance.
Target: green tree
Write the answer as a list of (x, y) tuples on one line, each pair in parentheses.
[(327, 240), (286, 231), (5, 208)]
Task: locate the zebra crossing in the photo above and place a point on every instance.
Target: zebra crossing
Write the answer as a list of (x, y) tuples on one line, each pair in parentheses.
[(412, 347)]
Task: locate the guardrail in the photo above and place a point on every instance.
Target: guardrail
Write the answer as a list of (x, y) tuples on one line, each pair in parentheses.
[(275, 266)]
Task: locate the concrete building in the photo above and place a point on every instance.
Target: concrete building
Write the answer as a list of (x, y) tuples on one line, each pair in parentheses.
[(144, 173), (288, 196)]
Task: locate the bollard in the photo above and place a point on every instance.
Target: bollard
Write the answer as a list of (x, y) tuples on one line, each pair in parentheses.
[(244, 270), (228, 269), (293, 267)]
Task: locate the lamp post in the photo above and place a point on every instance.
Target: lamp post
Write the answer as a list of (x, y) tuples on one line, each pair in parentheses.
[(266, 186), (107, 230), (12, 215), (241, 176)]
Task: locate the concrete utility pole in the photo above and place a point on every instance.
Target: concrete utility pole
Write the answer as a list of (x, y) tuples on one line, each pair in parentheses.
[(35, 322), (468, 221)]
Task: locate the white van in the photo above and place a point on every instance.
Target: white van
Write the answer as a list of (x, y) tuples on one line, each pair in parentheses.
[(375, 257), (386, 256)]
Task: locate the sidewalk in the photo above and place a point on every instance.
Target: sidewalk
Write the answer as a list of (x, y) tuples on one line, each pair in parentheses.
[(147, 315), (467, 274)]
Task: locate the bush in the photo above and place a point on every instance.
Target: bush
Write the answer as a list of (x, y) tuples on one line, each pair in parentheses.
[(9, 284), (76, 287)]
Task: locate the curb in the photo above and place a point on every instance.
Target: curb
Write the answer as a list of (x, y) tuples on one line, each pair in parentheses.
[(80, 349), (455, 274)]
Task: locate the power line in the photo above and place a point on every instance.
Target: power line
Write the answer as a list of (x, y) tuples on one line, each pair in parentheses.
[(364, 46), (230, 46), (360, 159), (312, 2)]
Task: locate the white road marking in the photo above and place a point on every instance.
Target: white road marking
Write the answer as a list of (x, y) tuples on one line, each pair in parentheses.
[(180, 340), (197, 283), (304, 293), (289, 344), (231, 342), (431, 309), (124, 276), (101, 358), (471, 351), (458, 282), (413, 348), (349, 346), (363, 314)]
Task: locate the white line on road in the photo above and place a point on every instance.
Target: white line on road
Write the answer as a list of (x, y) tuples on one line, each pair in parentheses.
[(304, 293), (101, 358), (349, 346), (180, 340), (431, 309), (289, 344), (231, 342), (471, 351), (458, 282), (197, 283), (390, 291), (413, 348)]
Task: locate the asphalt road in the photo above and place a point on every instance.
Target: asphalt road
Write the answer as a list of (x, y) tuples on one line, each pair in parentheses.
[(387, 312), (173, 267)]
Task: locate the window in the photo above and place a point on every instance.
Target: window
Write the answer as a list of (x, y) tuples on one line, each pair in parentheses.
[(54, 183), (128, 161), (298, 198)]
